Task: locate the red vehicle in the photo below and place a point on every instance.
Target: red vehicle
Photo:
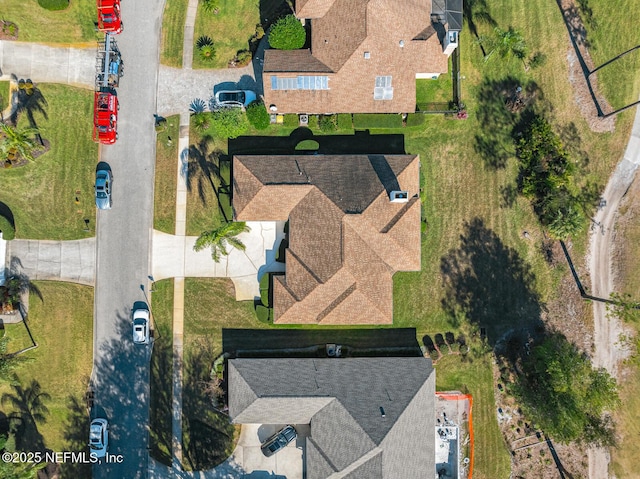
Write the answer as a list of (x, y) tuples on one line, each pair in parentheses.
[(109, 20), (105, 117)]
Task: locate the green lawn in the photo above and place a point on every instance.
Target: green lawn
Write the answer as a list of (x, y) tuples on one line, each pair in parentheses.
[(42, 194), (175, 14), (4, 95), (161, 378), (62, 325), (208, 172), (230, 30), (36, 24), (164, 200)]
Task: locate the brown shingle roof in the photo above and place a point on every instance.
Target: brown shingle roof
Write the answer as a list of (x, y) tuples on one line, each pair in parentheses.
[(339, 40), (346, 239)]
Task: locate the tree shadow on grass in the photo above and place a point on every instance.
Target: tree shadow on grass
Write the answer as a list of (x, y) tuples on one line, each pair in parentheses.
[(209, 170), (488, 284), (29, 410), (501, 104), (207, 435), (76, 435), (161, 398)]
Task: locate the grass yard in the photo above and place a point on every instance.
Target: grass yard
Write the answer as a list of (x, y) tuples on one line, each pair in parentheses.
[(4, 95), (175, 15), (440, 90), (36, 24), (207, 185), (161, 378), (491, 458), (62, 325), (42, 194), (230, 30), (164, 199)]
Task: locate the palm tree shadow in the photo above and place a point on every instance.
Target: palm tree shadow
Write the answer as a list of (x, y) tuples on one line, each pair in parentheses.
[(477, 11), (29, 410), (207, 168), (76, 434), (30, 101)]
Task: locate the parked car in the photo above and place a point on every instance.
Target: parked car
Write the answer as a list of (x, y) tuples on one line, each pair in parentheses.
[(99, 437), (140, 324), (279, 440), (103, 188), (234, 98)]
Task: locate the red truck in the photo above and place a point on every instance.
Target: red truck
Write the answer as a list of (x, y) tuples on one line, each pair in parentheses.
[(105, 117), (109, 20)]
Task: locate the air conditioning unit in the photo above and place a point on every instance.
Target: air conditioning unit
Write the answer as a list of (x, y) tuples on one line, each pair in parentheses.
[(303, 120), (399, 196)]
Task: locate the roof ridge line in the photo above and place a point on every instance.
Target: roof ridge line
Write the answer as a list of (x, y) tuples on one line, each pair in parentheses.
[(357, 463), (303, 264), (334, 304), (401, 212)]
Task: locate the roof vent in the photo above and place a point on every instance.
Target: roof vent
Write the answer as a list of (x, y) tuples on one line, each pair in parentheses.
[(382, 412), (399, 196), (367, 55), (401, 43)]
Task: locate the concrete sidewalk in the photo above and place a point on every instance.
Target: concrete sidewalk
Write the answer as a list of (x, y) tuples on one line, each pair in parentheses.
[(71, 64), (72, 261)]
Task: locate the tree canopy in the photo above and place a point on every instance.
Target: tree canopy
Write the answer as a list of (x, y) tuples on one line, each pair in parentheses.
[(560, 391), (287, 34), (229, 122)]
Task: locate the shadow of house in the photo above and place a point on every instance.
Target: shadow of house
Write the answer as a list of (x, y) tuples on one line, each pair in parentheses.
[(362, 142), (490, 285)]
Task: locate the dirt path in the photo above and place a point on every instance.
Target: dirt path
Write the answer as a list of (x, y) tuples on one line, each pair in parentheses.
[(608, 353)]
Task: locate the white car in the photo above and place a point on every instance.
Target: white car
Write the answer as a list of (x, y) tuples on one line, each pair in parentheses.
[(99, 437), (234, 98), (141, 324)]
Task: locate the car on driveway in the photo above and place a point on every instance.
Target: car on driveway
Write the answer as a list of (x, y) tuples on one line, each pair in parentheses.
[(140, 324), (103, 188), (99, 437), (234, 98), (279, 440)]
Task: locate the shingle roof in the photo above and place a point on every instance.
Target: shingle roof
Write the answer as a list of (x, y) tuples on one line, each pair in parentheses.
[(396, 36), (346, 239), (349, 438)]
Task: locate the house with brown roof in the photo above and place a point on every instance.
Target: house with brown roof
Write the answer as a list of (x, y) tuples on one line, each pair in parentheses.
[(364, 55), (354, 220)]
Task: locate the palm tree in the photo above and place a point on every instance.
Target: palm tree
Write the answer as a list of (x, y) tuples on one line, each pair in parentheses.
[(14, 141), (505, 43), (219, 238)]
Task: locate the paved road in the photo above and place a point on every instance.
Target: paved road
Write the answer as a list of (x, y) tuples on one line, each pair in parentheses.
[(121, 371)]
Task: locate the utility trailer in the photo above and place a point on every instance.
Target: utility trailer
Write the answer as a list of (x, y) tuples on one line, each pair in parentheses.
[(109, 64), (109, 20)]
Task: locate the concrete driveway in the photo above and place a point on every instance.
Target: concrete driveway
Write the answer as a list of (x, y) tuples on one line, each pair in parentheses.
[(288, 463)]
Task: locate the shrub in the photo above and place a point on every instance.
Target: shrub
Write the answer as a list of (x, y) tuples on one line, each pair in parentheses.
[(197, 105), (263, 313), (54, 4), (345, 122), (229, 122), (257, 115), (287, 34), (328, 123), (264, 289), (8, 231), (415, 119), (290, 120), (243, 58), (207, 53), (376, 120), (201, 121), (210, 6)]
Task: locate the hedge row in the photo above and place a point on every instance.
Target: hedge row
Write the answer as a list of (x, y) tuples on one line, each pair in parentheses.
[(54, 4)]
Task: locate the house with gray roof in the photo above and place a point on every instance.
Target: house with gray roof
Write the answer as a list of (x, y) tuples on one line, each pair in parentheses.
[(370, 418)]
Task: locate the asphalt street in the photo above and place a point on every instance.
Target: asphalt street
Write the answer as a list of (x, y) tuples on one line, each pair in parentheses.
[(120, 375)]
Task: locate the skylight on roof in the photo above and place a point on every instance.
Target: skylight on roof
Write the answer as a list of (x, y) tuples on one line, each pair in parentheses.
[(383, 89)]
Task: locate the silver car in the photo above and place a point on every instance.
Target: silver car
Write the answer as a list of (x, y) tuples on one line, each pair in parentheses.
[(99, 437), (103, 188), (141, 324), (234, 98)]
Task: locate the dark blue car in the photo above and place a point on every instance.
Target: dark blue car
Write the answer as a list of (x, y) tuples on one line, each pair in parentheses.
[(278, 441)]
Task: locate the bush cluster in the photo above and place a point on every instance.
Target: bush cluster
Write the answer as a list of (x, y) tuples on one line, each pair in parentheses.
[(53, 4), (287, 34), (258, 116)]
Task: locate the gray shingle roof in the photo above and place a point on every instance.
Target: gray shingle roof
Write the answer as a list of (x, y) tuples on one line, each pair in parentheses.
[(349, 428)]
